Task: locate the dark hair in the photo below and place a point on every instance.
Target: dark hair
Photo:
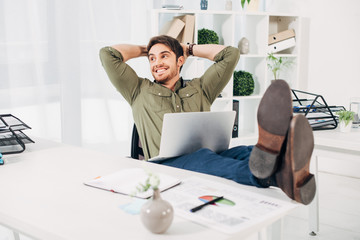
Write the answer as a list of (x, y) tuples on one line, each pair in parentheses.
[(171, 42)]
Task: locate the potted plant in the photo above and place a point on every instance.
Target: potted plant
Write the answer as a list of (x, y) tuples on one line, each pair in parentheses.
[(277, 64), (243, 83), (206, 36), (345, 120)]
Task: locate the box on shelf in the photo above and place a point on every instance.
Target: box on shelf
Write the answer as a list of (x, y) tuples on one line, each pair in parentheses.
[(180, 27), (282, 45), (187, 34), (172, 28), (281, 36)]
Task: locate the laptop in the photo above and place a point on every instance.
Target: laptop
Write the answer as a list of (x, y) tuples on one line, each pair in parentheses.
[(184, 133)]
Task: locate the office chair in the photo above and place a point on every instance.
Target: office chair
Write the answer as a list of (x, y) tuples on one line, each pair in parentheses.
[(136, 148)]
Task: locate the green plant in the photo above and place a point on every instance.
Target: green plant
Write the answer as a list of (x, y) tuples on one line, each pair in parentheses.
[(153, 181), (243, 83), (243, 2), (276, 64), (206, 36), (345, 116)]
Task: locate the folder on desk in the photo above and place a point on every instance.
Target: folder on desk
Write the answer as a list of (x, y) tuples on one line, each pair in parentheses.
[(126, 182)]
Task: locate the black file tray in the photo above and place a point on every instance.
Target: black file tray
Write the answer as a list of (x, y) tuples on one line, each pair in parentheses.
[(12, 138), (321, 116)]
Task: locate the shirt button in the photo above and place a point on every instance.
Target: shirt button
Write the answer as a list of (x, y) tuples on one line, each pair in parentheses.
[(187, 94), (159, 94), (177, 106)]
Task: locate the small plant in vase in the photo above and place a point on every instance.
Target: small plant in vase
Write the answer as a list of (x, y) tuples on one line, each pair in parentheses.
[(345, 120), (277, 64), (156, 214)]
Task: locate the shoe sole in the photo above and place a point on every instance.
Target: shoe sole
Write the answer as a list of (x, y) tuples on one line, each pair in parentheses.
[(274, 116), (293, 176)]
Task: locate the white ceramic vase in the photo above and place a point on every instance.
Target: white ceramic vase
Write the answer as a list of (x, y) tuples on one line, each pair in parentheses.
[(157, 214), (345, 128)]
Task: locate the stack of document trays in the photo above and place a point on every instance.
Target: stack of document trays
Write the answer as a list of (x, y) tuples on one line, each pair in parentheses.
[(12, 138), (281, 41)]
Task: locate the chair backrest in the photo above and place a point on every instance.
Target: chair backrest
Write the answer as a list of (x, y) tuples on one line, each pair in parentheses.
[(136, 148)]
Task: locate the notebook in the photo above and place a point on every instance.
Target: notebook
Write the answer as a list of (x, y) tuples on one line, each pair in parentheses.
[(184, 133), (126, 181)]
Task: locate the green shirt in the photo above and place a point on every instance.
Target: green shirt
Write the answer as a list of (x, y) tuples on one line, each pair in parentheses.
[(150, 101)]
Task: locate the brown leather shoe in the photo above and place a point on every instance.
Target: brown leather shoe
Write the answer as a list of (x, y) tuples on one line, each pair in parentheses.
[(274, 116), (293, 176)]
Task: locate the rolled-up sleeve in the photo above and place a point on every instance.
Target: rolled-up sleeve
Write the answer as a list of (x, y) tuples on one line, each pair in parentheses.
[(218, 75), (121, 75)]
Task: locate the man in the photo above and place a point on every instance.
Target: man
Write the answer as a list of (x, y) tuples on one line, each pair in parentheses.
[(280, 158)]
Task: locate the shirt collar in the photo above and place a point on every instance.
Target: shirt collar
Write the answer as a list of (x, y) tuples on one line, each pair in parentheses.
[(179, 84)]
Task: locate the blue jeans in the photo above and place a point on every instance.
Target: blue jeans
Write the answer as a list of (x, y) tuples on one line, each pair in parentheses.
[(232, 164)]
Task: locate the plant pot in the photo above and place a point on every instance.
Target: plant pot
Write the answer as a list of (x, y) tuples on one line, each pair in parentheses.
[(345, 128), (157, 214)]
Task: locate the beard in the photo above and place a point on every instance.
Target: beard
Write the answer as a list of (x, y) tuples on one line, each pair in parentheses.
[(169, 74)]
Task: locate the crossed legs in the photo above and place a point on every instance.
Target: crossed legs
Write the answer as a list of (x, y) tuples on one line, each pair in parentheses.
[(284, 146), (280, 158)]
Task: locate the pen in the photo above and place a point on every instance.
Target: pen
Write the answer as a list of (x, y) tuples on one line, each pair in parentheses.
[(207, 203)]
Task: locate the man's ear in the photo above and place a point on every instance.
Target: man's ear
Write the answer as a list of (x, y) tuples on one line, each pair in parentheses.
[(180, 61)]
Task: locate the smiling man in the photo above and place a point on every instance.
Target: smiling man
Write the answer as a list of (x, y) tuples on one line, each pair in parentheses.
[(274, 161), (150, 100)]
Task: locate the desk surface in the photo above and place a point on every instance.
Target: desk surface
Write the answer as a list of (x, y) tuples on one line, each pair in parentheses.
[(43, 196), (336, 139)]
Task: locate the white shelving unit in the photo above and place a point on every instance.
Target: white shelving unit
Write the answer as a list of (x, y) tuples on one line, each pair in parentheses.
[(231, 26)]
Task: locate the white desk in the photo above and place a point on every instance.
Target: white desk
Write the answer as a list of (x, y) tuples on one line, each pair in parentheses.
[(43, 196), (345, 149)]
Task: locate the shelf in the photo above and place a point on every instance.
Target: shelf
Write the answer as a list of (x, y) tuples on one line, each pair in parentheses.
[(223, 100), (184, 11), (242, 12), (286, 55), (253, 55), (231, 27), (239, 98)]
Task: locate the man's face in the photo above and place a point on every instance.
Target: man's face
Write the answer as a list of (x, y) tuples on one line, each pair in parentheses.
[(163, 64)]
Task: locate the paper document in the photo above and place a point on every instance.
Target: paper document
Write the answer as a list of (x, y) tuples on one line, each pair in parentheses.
[(238, 210), (125, 182)]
